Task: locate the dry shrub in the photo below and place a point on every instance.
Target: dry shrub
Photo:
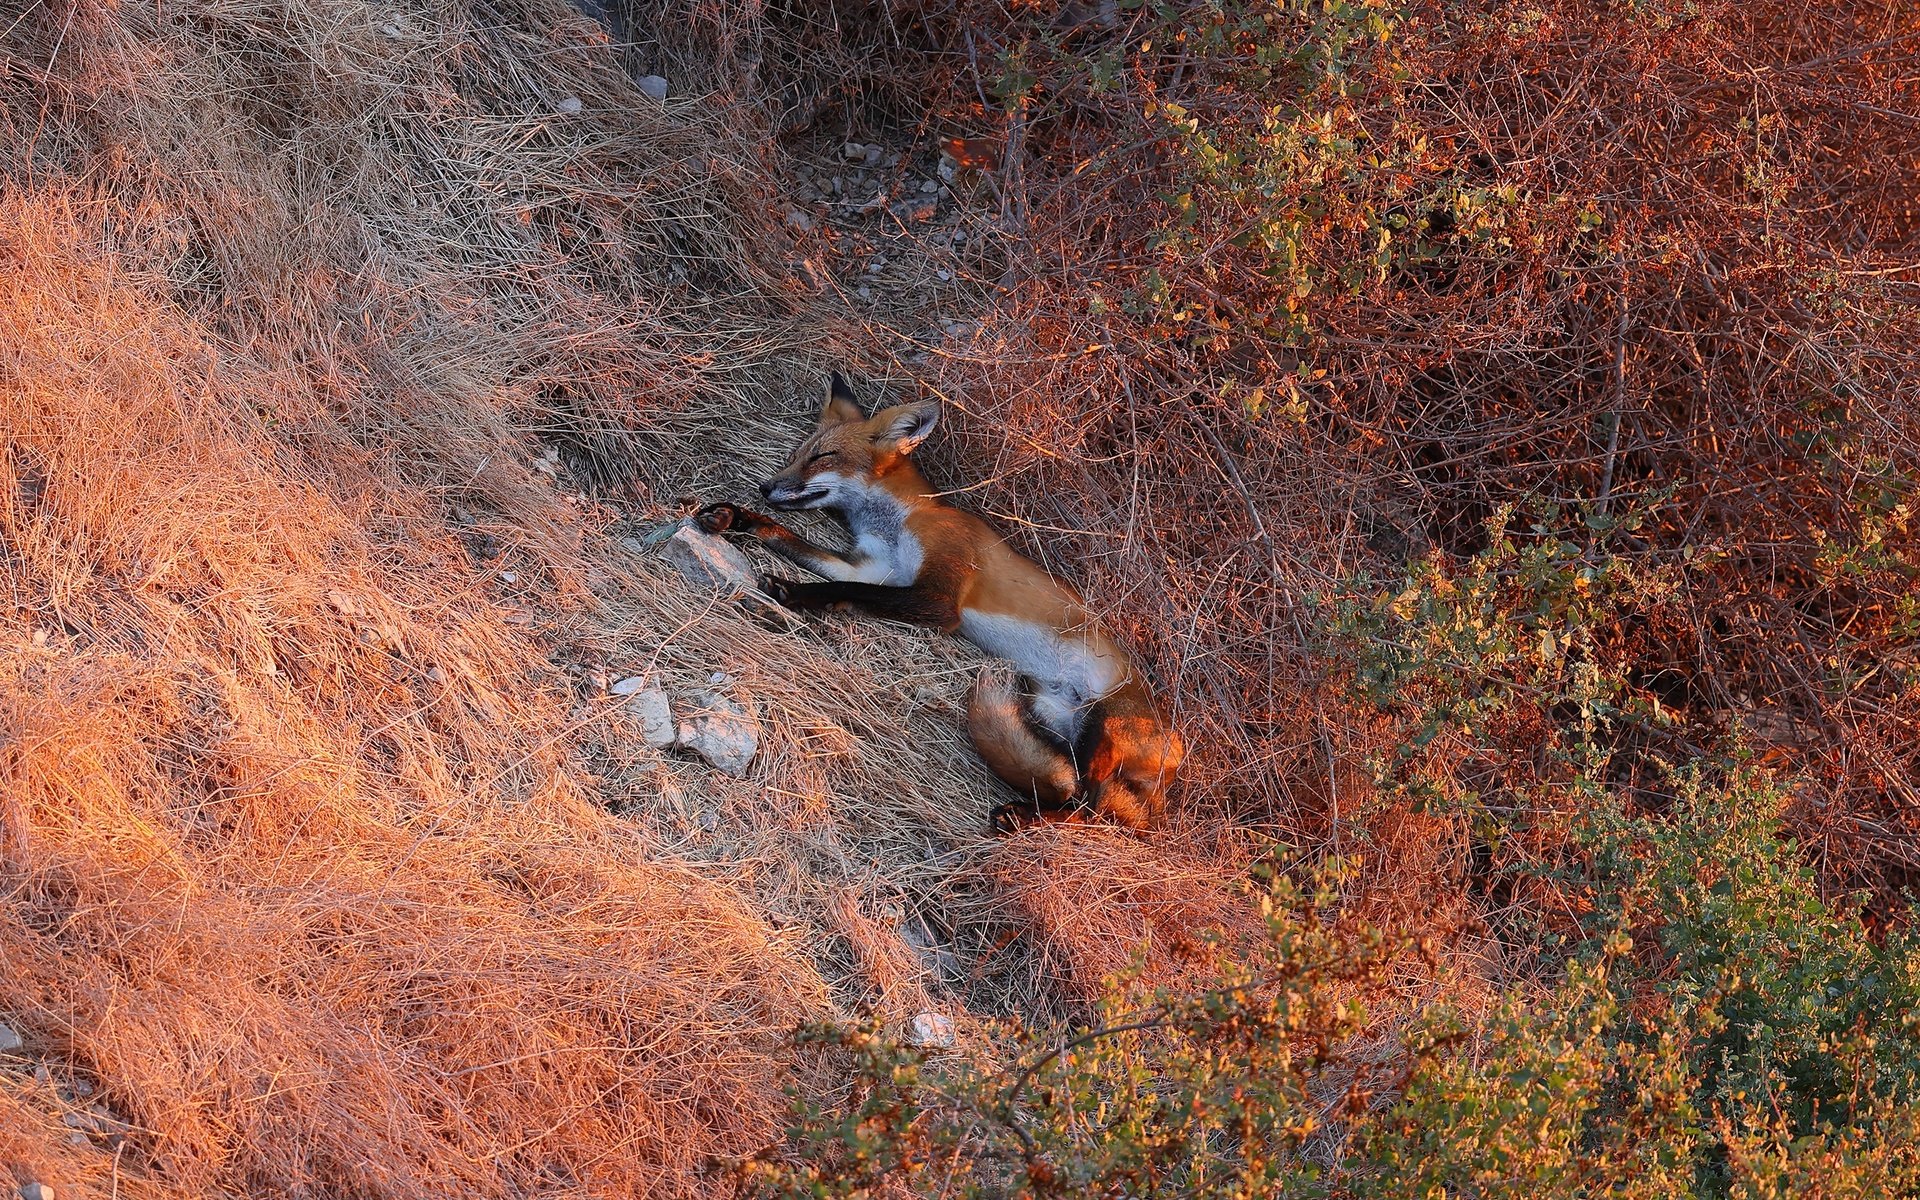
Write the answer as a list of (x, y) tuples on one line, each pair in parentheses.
[(1430, 261)]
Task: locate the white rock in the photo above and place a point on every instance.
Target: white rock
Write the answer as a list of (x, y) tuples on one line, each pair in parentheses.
[(36, 1191), (706, 560), (719, 677), (9, 1040), (932, 1031), (722, 732), (509, 577), (629, 686), (568, 105), (655, 713), (652, 85)]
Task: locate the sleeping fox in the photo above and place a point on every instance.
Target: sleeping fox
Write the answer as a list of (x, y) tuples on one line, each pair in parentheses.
[(1077, 731)]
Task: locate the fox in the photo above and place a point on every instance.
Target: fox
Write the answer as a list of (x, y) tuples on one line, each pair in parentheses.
[(1067, 720)]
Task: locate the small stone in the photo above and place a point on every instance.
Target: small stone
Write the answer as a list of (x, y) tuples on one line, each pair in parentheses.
[(631, 685), (76, 1138), (36, 1191), (709, 820), (893, 159), (390, 29), (864, 292), (799, 220), (706, 560), (652, 85), (932, 1031), (719, 677), (82, 1088), (874, 268), (655, 712), (633, 545), (568, 105), (509, 577), (9, 1040), (722, 732), (436, 675), (853, 151), (874, 155), (943, 275), (74, 1120), (930, 186)]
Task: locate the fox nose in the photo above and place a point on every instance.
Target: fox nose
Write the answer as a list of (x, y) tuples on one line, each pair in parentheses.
[(766, 490)]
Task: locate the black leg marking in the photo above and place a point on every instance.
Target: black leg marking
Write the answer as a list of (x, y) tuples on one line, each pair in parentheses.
[(913, 605)]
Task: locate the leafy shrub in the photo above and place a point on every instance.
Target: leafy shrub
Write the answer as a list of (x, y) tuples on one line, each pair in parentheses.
[(1718, 1030)]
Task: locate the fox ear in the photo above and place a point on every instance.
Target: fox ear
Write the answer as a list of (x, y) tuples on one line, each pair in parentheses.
[(904, 426), (839, 406)]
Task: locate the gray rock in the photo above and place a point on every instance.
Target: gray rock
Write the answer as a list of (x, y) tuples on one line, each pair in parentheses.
[(706, 560), (930, 186), (652, 85), (722, 732), (874, 155), (36, 1191), (853, 151), (631, 685), (568, 105), (655, 713), (9, 1040), (932, 1031)]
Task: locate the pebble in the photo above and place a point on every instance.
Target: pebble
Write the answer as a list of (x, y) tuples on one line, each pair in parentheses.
[(9, 1039), (943, 275), (706, 560), (652, 85), (932, 1031), (874, 268), (930, 187), (853, 151), (631, 685), (36, 1191), (874, 155), (436, 675), (722, 732), (799, 220), (719, 677), (390, 29), (655, 713), (568, 105), (509, 577), (864, 292)]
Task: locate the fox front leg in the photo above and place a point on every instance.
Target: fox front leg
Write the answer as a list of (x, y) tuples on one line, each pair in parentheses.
[(731, 518)]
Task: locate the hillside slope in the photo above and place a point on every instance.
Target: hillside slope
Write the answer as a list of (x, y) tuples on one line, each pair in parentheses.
[(344, 352)]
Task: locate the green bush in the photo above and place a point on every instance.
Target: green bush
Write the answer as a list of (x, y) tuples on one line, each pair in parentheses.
[(1718, 1029)]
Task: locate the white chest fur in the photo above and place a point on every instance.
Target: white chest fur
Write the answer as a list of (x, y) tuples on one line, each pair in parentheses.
[(884, 550)]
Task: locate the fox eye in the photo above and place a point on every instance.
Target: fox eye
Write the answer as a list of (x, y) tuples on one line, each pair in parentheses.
[(823, 456)]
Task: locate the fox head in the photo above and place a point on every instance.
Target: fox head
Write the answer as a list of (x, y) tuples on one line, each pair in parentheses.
[(849, 454)]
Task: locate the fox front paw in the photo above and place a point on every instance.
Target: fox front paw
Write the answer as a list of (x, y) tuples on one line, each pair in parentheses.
[(777, 589), (1007, 819), (718, 518)]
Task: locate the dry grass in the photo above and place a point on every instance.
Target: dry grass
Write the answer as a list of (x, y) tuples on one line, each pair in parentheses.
[(327, 867)]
